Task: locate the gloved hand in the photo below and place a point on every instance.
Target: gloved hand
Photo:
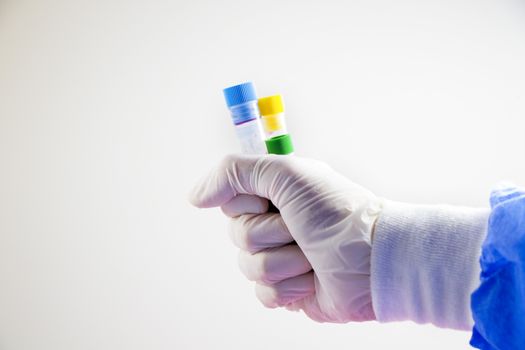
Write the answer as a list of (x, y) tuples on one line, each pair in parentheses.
[(315, 254)]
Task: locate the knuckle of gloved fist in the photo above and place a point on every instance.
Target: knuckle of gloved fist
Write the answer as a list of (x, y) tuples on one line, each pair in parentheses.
[(228, 212), (244, 262), (255, 266), (262, 268), (242, 235), (227, 161), (269, 296), (248, 241)]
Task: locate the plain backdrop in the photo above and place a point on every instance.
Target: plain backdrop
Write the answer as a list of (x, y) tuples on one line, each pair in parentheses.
[(111, 110)]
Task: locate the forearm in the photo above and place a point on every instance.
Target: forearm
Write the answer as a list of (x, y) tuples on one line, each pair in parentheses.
[(425, 263)]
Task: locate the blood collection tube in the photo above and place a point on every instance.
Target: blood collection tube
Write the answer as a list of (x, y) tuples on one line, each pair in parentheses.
[(242, 102), (278, 141)]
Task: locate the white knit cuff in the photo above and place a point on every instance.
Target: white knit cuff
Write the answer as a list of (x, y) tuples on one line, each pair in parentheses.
[(425, 263)]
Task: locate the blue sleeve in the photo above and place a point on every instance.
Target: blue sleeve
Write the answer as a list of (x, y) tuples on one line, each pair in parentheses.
[(498, 305)]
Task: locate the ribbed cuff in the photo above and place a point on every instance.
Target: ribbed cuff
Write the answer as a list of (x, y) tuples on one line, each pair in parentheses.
[(425, 263)]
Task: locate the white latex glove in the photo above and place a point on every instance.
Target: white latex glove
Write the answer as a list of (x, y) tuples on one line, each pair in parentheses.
[(326, 272)]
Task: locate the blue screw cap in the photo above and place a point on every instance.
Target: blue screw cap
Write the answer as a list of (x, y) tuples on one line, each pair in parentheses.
[(239, 94)]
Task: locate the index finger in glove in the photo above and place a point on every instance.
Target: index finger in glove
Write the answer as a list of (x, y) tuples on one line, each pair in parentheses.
[(261, 175)]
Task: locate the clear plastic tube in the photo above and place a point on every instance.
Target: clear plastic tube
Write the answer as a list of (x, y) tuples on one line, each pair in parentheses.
[(272, 115), (242, 102), (274, 125), (250, 136)]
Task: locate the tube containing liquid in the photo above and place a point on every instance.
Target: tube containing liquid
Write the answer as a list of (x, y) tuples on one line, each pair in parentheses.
[(278, 141), (242, 102)]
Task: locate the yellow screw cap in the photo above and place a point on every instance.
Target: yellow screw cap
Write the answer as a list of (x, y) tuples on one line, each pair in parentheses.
[(271, 105)]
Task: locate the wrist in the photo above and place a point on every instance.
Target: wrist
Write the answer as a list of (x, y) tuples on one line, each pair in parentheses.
[(424, 263)]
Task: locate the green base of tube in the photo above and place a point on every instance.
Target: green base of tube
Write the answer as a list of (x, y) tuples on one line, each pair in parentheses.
[(280, 145)]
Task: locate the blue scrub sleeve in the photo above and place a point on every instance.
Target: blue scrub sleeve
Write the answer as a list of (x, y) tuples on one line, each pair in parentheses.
[(498, 304)]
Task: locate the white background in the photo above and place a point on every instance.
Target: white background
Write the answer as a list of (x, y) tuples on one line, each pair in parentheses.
[(110, 111)]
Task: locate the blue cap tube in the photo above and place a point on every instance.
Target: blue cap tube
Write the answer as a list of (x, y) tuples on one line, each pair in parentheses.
[(242, 101)]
